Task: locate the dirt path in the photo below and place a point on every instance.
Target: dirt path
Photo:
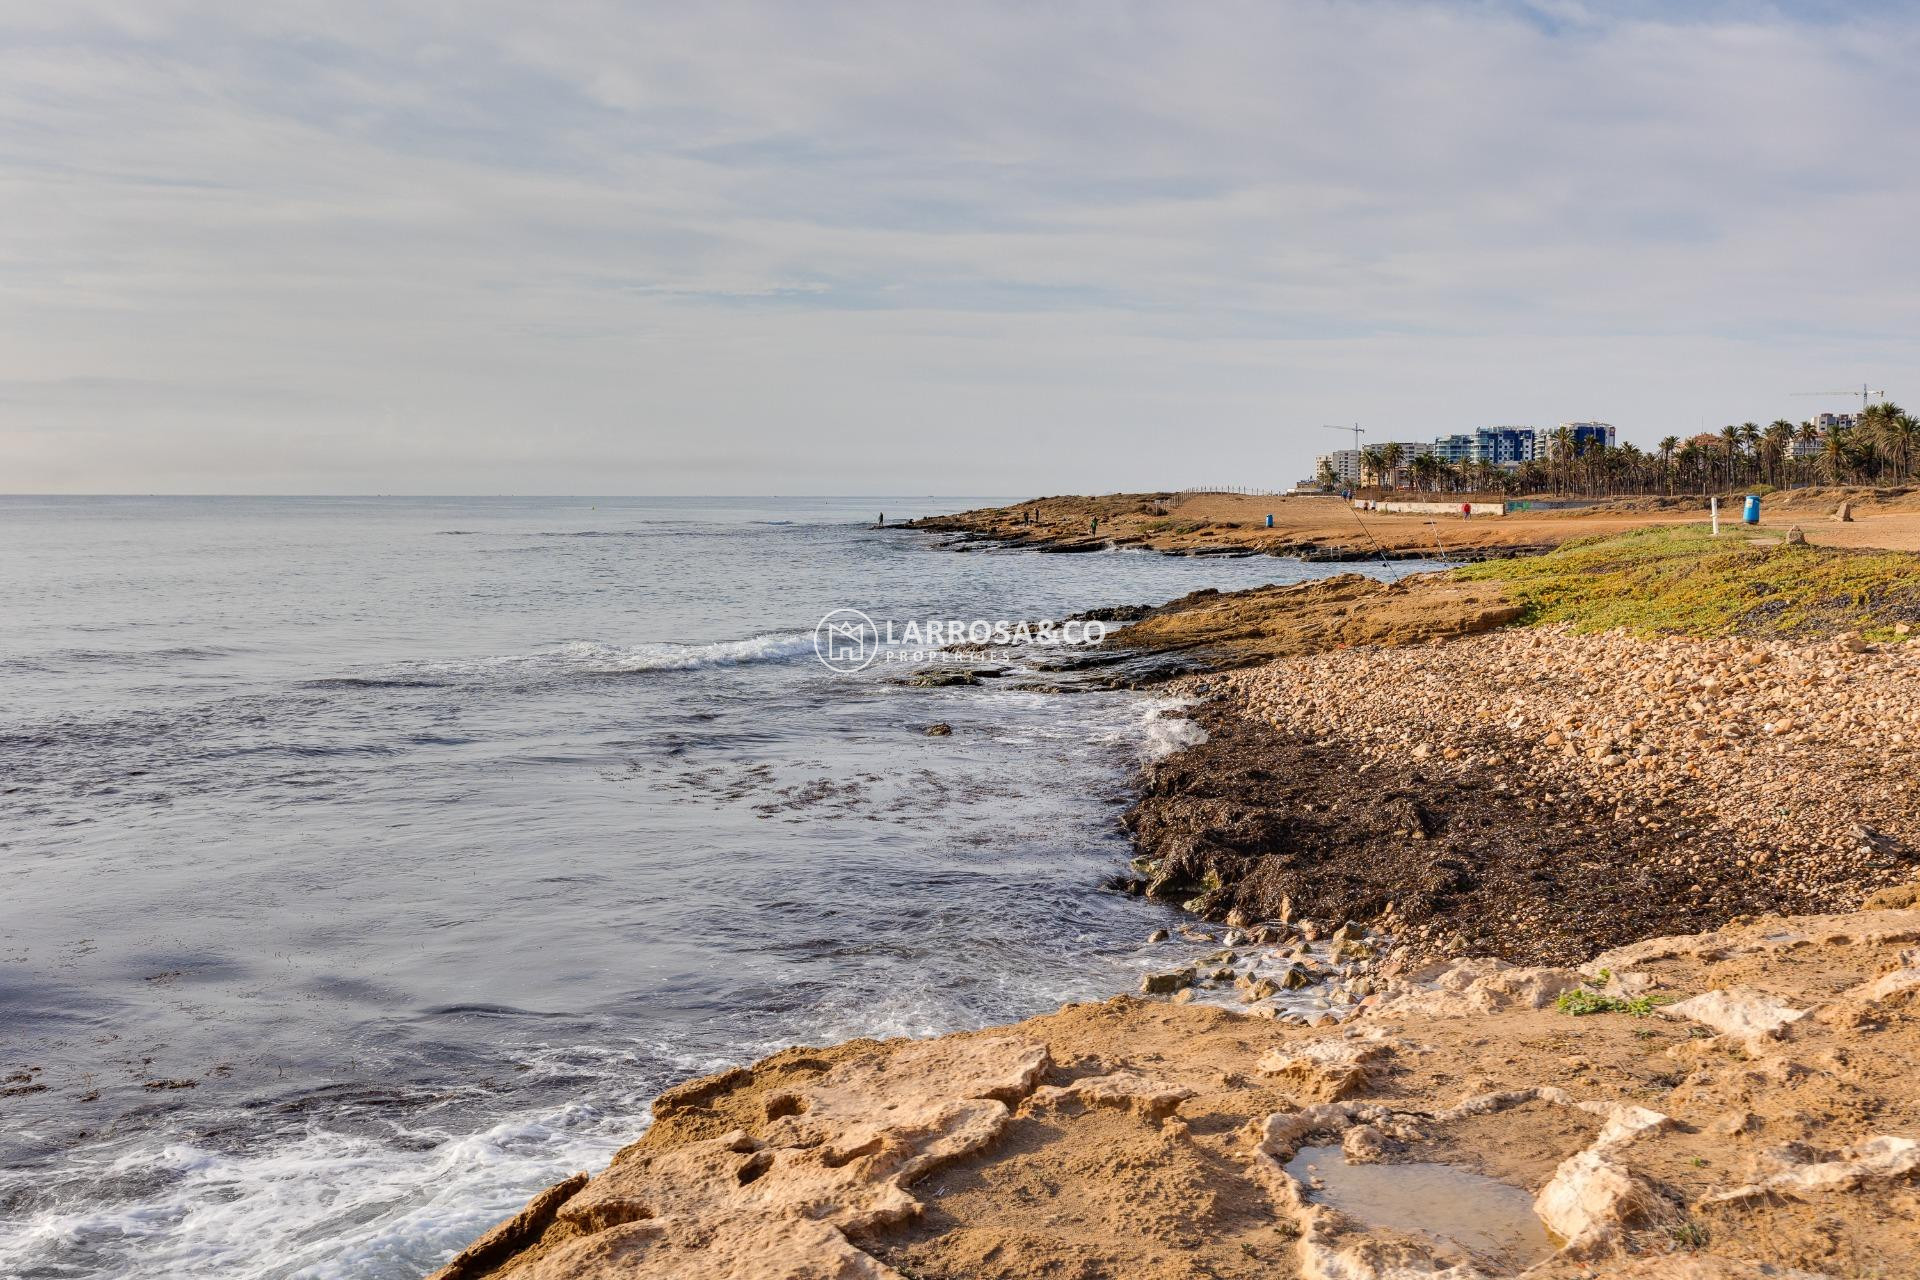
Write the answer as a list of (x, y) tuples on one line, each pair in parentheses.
[(1323, 527)]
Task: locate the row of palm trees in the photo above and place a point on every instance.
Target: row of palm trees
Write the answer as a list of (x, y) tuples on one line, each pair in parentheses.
[(1883, 448)]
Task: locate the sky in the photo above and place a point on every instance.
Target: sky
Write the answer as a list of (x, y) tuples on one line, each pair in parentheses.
[(926, 248)]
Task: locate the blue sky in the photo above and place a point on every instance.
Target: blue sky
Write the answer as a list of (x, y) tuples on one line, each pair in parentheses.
[(920, 248)]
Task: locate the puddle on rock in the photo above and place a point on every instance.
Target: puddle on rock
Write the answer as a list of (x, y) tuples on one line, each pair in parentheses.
[(1482, 1215)]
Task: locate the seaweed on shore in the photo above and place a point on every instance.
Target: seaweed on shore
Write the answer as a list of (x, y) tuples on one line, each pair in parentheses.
[(1268, 824)]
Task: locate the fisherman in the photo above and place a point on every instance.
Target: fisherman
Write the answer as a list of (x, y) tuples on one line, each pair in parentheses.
[(883, 520)]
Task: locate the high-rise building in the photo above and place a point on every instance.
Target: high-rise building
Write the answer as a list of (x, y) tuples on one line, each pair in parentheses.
[(1506, 446), (1587, 433), (1345, 464)]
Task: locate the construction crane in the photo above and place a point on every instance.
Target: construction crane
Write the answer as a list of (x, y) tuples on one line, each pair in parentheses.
[(1863, 393), (1356, 428)]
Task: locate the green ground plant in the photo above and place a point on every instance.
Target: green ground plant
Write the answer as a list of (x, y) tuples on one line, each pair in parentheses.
[(1679, 580), (1581, 1002)]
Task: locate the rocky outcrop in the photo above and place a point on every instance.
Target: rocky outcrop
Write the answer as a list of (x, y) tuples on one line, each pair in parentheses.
[(1151, 1140), (1328, 1070), (837, 1156), (1751, 1017)]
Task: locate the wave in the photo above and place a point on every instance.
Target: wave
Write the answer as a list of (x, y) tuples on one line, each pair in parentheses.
[(372, 682), (139, 657), (582, 658), (1160, 727), (386, 1199), (603, 659)]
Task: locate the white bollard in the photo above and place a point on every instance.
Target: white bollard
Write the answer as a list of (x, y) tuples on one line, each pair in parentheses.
[(1714, 505)]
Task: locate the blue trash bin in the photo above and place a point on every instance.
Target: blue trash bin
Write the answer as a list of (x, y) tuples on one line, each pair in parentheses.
[(1751, 514), (1269, 522)]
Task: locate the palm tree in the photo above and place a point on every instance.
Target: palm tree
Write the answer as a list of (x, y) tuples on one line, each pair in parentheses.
[(1371, 464), (1895, 434), (1391, 455), (1693, 463), (1730, 441), (1836, 458), (1779, 439), (1424, 471), (1669, 445), (1562, 458), (1329, 478), (1631, 470), (1809, 435)]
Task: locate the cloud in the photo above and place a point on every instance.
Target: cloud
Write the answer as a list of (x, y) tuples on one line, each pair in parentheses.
[(739, 248)]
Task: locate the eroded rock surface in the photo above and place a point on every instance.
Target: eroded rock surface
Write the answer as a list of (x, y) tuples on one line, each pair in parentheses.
[(1141, 1139)]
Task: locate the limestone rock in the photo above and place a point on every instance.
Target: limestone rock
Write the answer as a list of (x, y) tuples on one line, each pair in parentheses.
[(1745, 1014), (1590, 1198), (1883, 1156), (1484, 985), (1161, 984), (839, 1157), (1327, 1070), (1260, 990), (1364, 1144), (513, 1234), (1896, 986), (1895, 897), (1127, 1090)]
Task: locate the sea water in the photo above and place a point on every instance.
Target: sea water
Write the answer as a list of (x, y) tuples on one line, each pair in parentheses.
[(368, 864)]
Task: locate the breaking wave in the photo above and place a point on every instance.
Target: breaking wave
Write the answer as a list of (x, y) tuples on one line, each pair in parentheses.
[(605, 659)]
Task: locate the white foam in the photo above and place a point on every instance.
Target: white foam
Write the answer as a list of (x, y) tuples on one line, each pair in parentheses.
[(617, 660), (592, 657), (1160, 728), (319, 1204)]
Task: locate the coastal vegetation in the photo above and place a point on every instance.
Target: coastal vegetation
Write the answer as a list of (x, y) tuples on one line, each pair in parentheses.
[(1584, 1001), (1881, 447), (1680, 580)]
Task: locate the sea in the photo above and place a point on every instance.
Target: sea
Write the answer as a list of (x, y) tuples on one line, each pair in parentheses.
[(367, 864)]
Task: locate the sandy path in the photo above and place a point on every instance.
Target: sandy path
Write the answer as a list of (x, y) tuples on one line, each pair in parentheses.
[(1324, 524)]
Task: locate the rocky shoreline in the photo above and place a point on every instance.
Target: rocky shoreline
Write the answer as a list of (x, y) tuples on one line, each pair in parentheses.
[(1721, 1106), (1496, 910), (1540, 795), (1317, 530)]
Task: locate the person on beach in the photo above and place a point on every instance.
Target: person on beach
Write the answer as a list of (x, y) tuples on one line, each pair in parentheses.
[(883, 520), (1466, 511), (1093, 527)]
